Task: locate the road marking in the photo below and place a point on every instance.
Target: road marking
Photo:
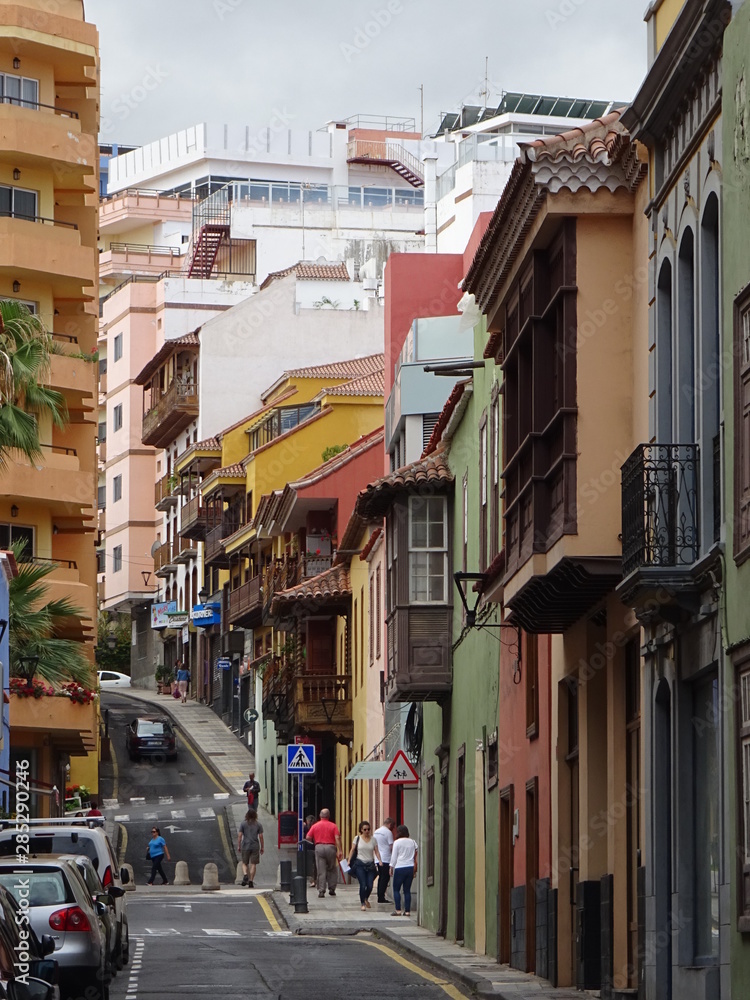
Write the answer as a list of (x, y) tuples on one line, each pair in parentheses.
[(270, 915), (176, 829), (178, 814), (195, 798), (115, 774), (207, 813), (221, 795), (218, 932), (446, 987), (182, 906), (110, 803), (151, 816), (161, 931), (122, 818), (137, 799), (166, 800)]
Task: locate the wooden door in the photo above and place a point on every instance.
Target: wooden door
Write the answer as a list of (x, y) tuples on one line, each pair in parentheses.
[(532, 869), (461, 844), (506, 873)]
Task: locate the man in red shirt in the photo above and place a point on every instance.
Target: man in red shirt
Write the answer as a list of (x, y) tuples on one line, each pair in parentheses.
[(327, 839)]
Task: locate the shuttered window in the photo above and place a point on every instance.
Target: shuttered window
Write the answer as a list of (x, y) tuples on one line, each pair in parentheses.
[(742, 426), (743, 754)]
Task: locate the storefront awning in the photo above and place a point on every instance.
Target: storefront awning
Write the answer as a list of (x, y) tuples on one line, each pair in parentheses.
[(368, 770)]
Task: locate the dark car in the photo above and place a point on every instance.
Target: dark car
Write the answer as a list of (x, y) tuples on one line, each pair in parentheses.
[(151, 735)]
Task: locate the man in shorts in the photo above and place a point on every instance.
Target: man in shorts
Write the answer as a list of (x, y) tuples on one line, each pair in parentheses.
[(250, 846)]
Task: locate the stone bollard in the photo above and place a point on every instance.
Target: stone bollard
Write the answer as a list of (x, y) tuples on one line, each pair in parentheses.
[(129, 886), (240, 874), (181, 875), (210, 878)]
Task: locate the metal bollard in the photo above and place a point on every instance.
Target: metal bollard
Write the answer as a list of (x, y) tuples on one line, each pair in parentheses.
[(285, 875), (181, 875), (210, 878), (299, 894)]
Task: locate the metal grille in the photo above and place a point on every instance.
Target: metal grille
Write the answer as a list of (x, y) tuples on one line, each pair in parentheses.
[(660, 506)]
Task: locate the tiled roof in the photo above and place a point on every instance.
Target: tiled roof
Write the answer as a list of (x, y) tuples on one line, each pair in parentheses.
[(445, 414), (366, 385), (207, 444), (354, 368), (235, 471), (597, 140), (330, 587), (190, 340), (430, 474), (306, 270)]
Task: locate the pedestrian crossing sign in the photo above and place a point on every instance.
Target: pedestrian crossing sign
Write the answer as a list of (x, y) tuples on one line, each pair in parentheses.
[(300, 758)]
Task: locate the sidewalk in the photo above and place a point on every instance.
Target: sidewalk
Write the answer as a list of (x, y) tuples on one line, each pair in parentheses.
[(230, 761)]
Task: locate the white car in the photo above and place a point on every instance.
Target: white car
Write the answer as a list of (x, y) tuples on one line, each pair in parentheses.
[(112, 679)]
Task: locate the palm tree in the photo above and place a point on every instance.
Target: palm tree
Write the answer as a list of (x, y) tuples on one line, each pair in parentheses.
[(25, 350), (34, 624)]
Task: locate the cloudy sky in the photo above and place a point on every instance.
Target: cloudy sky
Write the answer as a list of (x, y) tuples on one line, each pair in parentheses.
[(167, 64)]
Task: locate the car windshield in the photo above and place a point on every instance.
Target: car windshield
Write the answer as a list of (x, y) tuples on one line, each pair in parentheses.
[(45, 888), (49, 843), (153, 728)]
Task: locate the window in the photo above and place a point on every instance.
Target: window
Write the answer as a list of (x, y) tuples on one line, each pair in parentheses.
[(742, 426), (531, 671), (428, 550), (19, 90), (101, 564), (483, 492), (493, 760), (379, 611), (101, 497), (117, 488), (495, 473), (117, 558), (706, 819), (102, 431), (18, 203), (12, 534), (118, 347), (743, 751), (117, 417), (430, 832), (392, 560)]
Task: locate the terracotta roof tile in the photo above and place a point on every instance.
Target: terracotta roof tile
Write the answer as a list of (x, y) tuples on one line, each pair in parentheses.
[(331, 586), (597, 140), (430, 474), (306, 270), (366, 385), (207, 444), (353, 368), (189, 340)]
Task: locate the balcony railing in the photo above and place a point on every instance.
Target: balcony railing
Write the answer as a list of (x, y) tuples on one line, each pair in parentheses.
[(163, 492), (36, 105), (245, 601), (170, 413), (660, 518), (163, 559), (214, 537), (43, 219), (323, 702), (193, 519)]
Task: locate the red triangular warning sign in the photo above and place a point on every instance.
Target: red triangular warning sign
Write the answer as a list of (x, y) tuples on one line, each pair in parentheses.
[(400, 771)]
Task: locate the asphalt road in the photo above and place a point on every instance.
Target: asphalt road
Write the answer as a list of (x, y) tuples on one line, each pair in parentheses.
[(181, 798), (228, 945)]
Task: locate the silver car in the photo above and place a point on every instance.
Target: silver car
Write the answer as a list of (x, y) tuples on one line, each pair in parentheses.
[(59, 904), (99, 894), (61, 837)]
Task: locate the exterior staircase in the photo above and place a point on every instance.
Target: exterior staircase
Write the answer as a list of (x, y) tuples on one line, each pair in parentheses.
[(389, 154), (206, 247)]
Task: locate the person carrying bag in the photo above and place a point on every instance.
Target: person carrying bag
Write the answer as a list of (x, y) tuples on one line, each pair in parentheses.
[(362, 860)]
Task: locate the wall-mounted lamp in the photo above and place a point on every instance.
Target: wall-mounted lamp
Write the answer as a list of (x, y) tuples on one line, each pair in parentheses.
[(111, 643), (55, 530), (27, 666), (16, 286), (471, 613), (146, 577), (16, 174), (14, 511), (203, 595), (16, 63)]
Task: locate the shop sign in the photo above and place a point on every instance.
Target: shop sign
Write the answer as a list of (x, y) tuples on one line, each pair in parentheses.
[(178, 619), (160, 614), (205, 615)]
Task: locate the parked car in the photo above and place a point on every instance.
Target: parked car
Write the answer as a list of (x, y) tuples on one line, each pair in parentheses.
[(113, 679), (41, 967), (99, 894), (151, 736), (55, 837), (59, 903)]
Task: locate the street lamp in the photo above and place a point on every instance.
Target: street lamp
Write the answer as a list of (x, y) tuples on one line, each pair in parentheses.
[(27, 665), (203, 595), (111, 643)]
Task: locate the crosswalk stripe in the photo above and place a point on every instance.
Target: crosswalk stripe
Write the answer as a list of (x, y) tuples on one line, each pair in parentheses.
[(178, 814), (221, 795), (122, 818), (166, 800), (206, 813)]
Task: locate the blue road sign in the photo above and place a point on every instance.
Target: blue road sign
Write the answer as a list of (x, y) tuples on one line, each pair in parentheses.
[(300, 758)]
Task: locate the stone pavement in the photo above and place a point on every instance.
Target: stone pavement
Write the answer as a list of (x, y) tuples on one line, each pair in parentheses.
[(229, 761)]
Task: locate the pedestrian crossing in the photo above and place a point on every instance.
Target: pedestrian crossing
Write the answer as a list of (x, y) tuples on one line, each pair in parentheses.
[(195, 814)]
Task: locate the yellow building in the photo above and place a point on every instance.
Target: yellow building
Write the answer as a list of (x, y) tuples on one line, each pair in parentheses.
[(49, 114)]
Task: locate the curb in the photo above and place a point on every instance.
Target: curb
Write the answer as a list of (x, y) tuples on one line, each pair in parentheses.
[(481, 986), (167, 710)]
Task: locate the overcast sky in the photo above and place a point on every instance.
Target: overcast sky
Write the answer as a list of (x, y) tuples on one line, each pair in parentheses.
[(167, 64)]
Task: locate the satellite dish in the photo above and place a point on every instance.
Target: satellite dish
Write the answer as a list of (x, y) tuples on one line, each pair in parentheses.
[(155, 548)]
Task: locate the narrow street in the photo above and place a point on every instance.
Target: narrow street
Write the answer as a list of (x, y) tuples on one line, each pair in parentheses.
[(180, 797)]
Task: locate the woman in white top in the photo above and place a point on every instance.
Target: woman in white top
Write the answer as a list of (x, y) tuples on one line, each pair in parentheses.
[(403, 869), (363, 866)]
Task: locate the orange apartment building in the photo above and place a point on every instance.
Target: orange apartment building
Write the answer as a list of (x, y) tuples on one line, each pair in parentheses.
[(49, 116)]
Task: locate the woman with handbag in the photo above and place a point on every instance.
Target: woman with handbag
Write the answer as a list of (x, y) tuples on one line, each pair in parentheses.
[(362, 860)]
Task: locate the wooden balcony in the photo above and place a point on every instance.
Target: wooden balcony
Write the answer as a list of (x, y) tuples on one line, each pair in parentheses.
[(215, 554), (164, 493), (323, 703), (170, 414), (163, 562), (246, 604), (278, 697), (184, 549), (193, 519), (419, 653)]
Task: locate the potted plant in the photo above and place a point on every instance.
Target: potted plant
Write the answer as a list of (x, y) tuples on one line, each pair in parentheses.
[(163, 675)]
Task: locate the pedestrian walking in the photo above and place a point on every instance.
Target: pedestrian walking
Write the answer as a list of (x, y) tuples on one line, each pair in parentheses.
[(252, 789), (250, 845), (327, 839), (384, 837), (362, 858), (403, 868), (309, 848), (183, 679), (156, 851)]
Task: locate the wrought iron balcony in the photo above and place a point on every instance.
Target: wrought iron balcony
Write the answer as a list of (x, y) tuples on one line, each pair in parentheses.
[(660, 518)]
